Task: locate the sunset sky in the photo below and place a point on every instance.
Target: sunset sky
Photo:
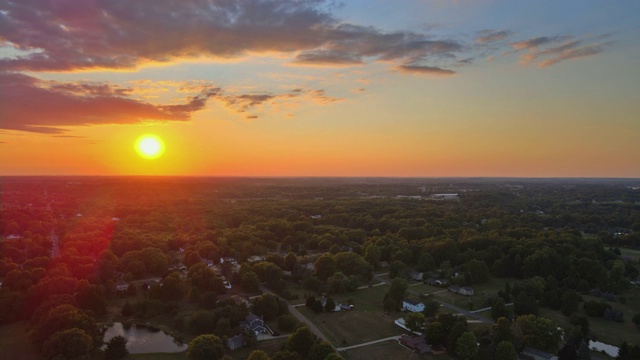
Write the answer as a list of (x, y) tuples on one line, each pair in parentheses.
[(321, 88)]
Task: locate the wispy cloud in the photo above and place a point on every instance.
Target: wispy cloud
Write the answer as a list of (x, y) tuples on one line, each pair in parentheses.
[(490, 36), (556, 49), (425, 70)]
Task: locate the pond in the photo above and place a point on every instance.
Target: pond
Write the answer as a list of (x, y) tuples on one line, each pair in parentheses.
[(143, 339), (602, 347)]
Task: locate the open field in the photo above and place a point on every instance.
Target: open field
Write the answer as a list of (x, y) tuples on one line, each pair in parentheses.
[(366, 322), (388, 350), (635, 253)]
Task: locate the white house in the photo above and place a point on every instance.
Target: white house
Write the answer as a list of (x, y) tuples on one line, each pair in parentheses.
[(413, 306)]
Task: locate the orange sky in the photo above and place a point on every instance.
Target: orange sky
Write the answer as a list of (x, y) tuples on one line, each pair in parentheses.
[(277, 88)]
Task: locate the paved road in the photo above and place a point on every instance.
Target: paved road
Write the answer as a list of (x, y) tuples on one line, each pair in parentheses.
[(368, 343), (293, 311)]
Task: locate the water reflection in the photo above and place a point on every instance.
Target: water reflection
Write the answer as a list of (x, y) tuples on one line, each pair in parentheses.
[(144, 339)]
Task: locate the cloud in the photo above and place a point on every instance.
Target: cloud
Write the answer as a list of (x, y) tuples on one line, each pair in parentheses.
[(490, 36), (557, 49), (243, 103), (568, 54), (534, 42), (69, 35), (425, 70), (30, 104)]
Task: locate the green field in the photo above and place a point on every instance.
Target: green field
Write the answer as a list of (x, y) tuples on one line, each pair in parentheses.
[(388, 350), (366, 322)]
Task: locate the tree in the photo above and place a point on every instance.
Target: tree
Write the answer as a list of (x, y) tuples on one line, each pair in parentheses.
[(570, 302), (394, 297), (290, 261), (250, 282), (68, 344), (583, 351), (126, 309), (330, 305), (267, 306), (434, 333), (258, 355), (300, 342), (398, 269), (499, 309), (205, 347), (372, 254), (61, 318), (286, 355), (319, 351), (502, 331), (525, 304), (415, 321), (505, 351), (431, 308), (467, 346), (568, 352), (478, 271), (636, 320), (325, 266), (287, 323), (539, 333), (116, 348)]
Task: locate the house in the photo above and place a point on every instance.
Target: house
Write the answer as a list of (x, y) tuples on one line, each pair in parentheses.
[(416, 275), (535, 354), (207, 262), (122, 285), (437, 282), (415, 343), (466, 291), (255, 324), (255, 258), (412, 305), (235, 342)]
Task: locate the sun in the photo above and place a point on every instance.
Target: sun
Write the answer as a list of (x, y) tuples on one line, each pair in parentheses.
[(149, 146)]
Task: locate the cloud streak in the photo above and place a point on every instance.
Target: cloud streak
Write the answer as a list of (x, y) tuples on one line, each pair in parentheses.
[(556, 49)]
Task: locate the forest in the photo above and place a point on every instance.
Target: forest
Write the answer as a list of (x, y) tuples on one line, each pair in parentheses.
[(554, 264)]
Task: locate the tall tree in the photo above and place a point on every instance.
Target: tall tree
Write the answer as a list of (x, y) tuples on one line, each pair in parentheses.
[(205, 347), (467, 346)]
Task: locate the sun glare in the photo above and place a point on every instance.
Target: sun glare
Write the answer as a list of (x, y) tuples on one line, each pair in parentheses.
[(149, 146)]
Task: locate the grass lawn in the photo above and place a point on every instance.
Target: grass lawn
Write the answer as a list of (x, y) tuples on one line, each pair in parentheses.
[(366, 322), (630, 252), (388, 350), (158, 356), (14, 343)]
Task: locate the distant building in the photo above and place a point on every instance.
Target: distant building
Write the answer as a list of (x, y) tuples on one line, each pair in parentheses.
[(255, 324), (437, 282), (255, 258), (465, 290), (415, 275), (535, 354), (443, 196), (415, 343), (122, 285), (235, 342), (412, 305)]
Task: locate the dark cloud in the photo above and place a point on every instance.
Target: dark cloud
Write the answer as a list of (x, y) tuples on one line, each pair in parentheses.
[(489, 36), (425, 70), (29, 104), (69, 35)]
